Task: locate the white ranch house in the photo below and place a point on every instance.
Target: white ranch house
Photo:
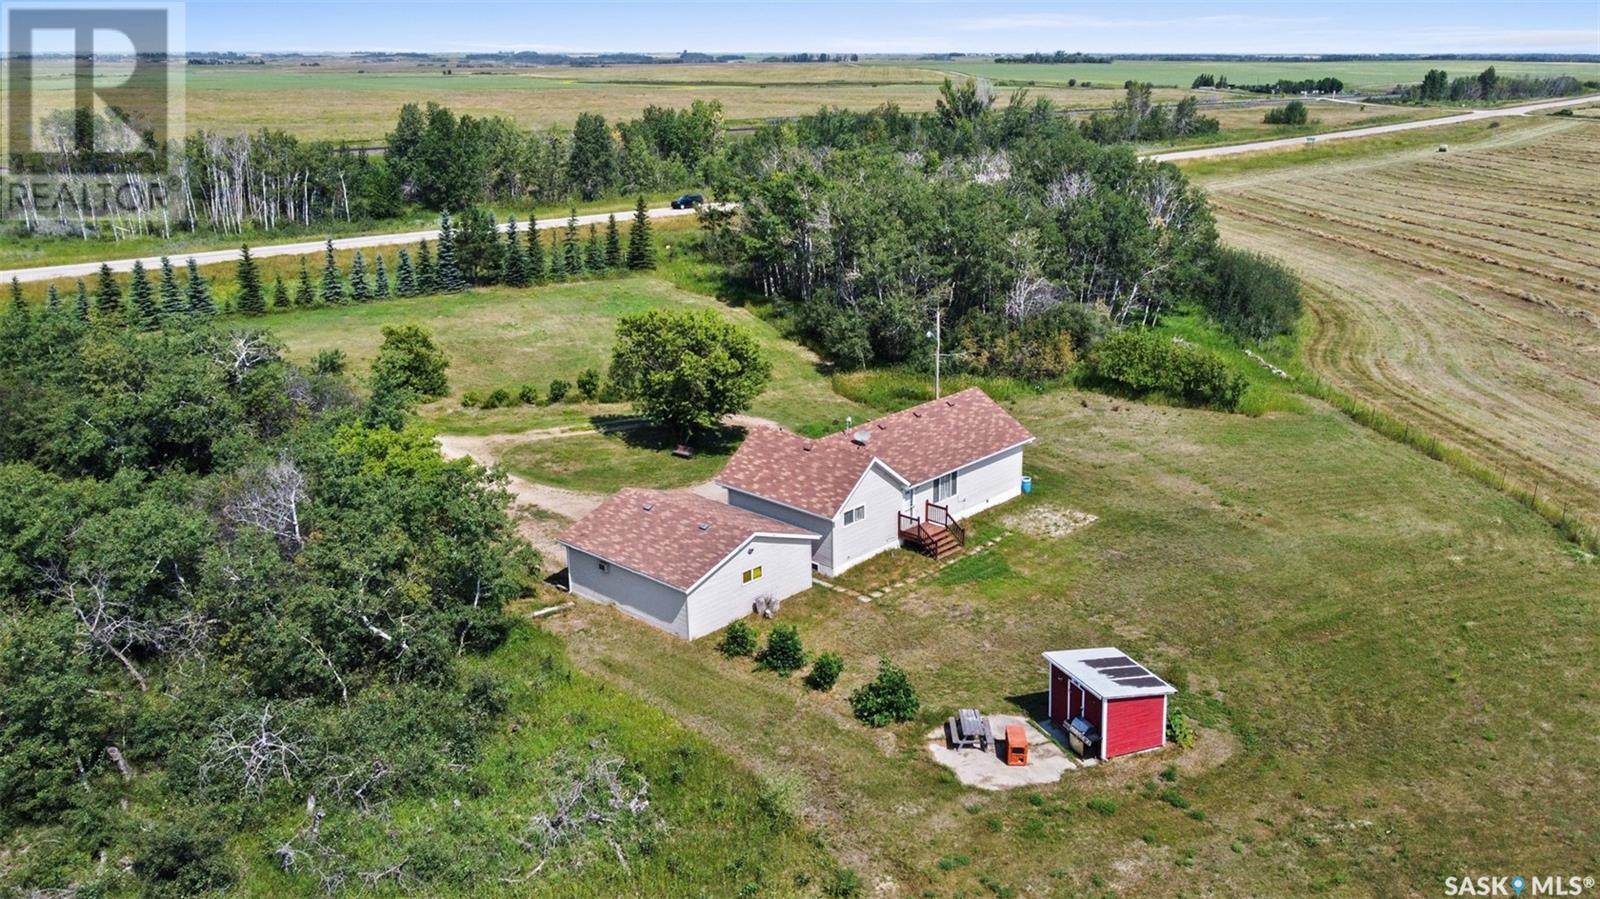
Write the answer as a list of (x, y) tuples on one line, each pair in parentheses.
[(691, 565), (911, 476)]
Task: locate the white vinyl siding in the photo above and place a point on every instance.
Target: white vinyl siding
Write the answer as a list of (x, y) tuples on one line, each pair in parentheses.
[(639, 596), (722, 597), (725, 596), (821, 547), (880, 495), (977, 487)]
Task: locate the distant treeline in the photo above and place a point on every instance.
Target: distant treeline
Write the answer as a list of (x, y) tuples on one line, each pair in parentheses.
[(532, 57), (1488, 86), (1360, 57), (815, 57), (1281, 86), (1058, 57), (271, 179)]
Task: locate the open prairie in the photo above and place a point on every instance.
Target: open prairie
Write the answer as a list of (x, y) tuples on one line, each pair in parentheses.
[(1459, 291)]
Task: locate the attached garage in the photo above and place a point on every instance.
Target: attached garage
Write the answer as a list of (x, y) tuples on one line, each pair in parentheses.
[(684, 563), (1106, 703)]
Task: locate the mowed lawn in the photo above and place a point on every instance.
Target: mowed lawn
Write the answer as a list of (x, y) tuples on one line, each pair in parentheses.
[(1395, 668), (506, 337)]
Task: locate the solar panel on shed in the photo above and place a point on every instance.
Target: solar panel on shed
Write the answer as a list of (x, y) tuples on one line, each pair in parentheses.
[(1142, 682), (1108, 662)]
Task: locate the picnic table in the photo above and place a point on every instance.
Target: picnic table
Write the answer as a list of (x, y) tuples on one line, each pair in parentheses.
[(969, 730)]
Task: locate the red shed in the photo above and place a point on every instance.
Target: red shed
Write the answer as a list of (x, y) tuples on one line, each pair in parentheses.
[(1108, 704)]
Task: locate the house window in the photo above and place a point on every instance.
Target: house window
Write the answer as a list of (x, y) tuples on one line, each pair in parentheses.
[(753, 574), (604, 567), (851, 516), (944, 487)]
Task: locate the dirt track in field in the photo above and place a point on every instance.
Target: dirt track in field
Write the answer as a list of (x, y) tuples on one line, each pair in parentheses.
[(1458, 291)]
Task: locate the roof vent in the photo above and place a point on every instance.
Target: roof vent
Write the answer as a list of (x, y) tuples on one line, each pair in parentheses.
[(950, 403), (705, 525), (807, 446), (882, 426), (916, 413), (649, 506), (861, 437)]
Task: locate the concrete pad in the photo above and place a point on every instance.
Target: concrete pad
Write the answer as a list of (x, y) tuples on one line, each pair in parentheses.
[(1047, 762)]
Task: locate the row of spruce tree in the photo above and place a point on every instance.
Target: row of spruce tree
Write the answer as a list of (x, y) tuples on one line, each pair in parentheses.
[(475, 252)]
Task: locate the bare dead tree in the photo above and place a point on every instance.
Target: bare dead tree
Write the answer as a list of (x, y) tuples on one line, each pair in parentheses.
[(253, 747), (601, 797), (270, 501), (1068, 189), (243, 351)]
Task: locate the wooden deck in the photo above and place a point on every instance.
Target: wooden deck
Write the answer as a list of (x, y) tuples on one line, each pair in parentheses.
[(938, 533)]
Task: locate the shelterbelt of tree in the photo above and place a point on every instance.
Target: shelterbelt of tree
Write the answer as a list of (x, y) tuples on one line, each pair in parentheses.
[(298, 248), (1282, 142), (210, 257)]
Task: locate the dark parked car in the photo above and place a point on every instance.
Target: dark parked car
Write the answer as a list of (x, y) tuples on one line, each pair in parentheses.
[(688, 201)]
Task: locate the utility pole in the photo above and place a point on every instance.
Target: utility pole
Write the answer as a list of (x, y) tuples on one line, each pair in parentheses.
[(938, 347)]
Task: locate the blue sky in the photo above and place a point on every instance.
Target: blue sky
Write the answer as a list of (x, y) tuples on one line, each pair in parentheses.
[(1215, 26)]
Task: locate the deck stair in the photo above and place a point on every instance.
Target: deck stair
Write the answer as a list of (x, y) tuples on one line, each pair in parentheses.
[(937, 534)]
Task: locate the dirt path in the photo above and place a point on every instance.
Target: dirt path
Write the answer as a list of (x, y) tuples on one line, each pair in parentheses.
[(551, 509)]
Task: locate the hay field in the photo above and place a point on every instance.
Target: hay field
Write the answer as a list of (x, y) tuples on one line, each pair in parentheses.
[(1459, 291)]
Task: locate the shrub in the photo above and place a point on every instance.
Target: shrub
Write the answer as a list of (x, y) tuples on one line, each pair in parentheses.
[(472, 399), (1291, 113), (1252, 296), (843, 883), (329, 362), (589, 384), (1143, 362), (738, 640), (528, 394), (408, 360), (1179, 730), (497, 398), (825, 672), (784, 652), (558, 390), (889, 697), (177, 860), (1104, 807)]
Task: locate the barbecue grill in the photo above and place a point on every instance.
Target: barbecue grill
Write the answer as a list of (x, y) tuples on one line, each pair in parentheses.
[(1083, 738)]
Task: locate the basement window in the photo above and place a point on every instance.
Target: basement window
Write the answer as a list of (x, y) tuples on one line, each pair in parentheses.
[(851, 516)]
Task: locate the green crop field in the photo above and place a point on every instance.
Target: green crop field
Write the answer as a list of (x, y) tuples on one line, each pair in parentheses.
[(1362, 75)]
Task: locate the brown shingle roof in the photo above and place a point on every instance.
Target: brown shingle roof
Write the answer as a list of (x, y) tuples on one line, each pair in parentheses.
[(677, 540), (919, 444)]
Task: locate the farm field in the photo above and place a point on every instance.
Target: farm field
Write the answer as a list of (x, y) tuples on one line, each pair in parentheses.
[(1459, 291), (1361, 75), (1242, 124), (340, 100), (1333, 605)]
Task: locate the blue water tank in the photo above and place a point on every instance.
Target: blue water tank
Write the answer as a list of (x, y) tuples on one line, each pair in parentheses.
[(1027, 484)]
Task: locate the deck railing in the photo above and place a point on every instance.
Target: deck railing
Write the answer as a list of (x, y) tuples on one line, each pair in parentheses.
[(940, 516)]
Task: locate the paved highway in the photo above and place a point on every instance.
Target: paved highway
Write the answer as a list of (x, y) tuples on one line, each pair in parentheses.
[(1280, 143)]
